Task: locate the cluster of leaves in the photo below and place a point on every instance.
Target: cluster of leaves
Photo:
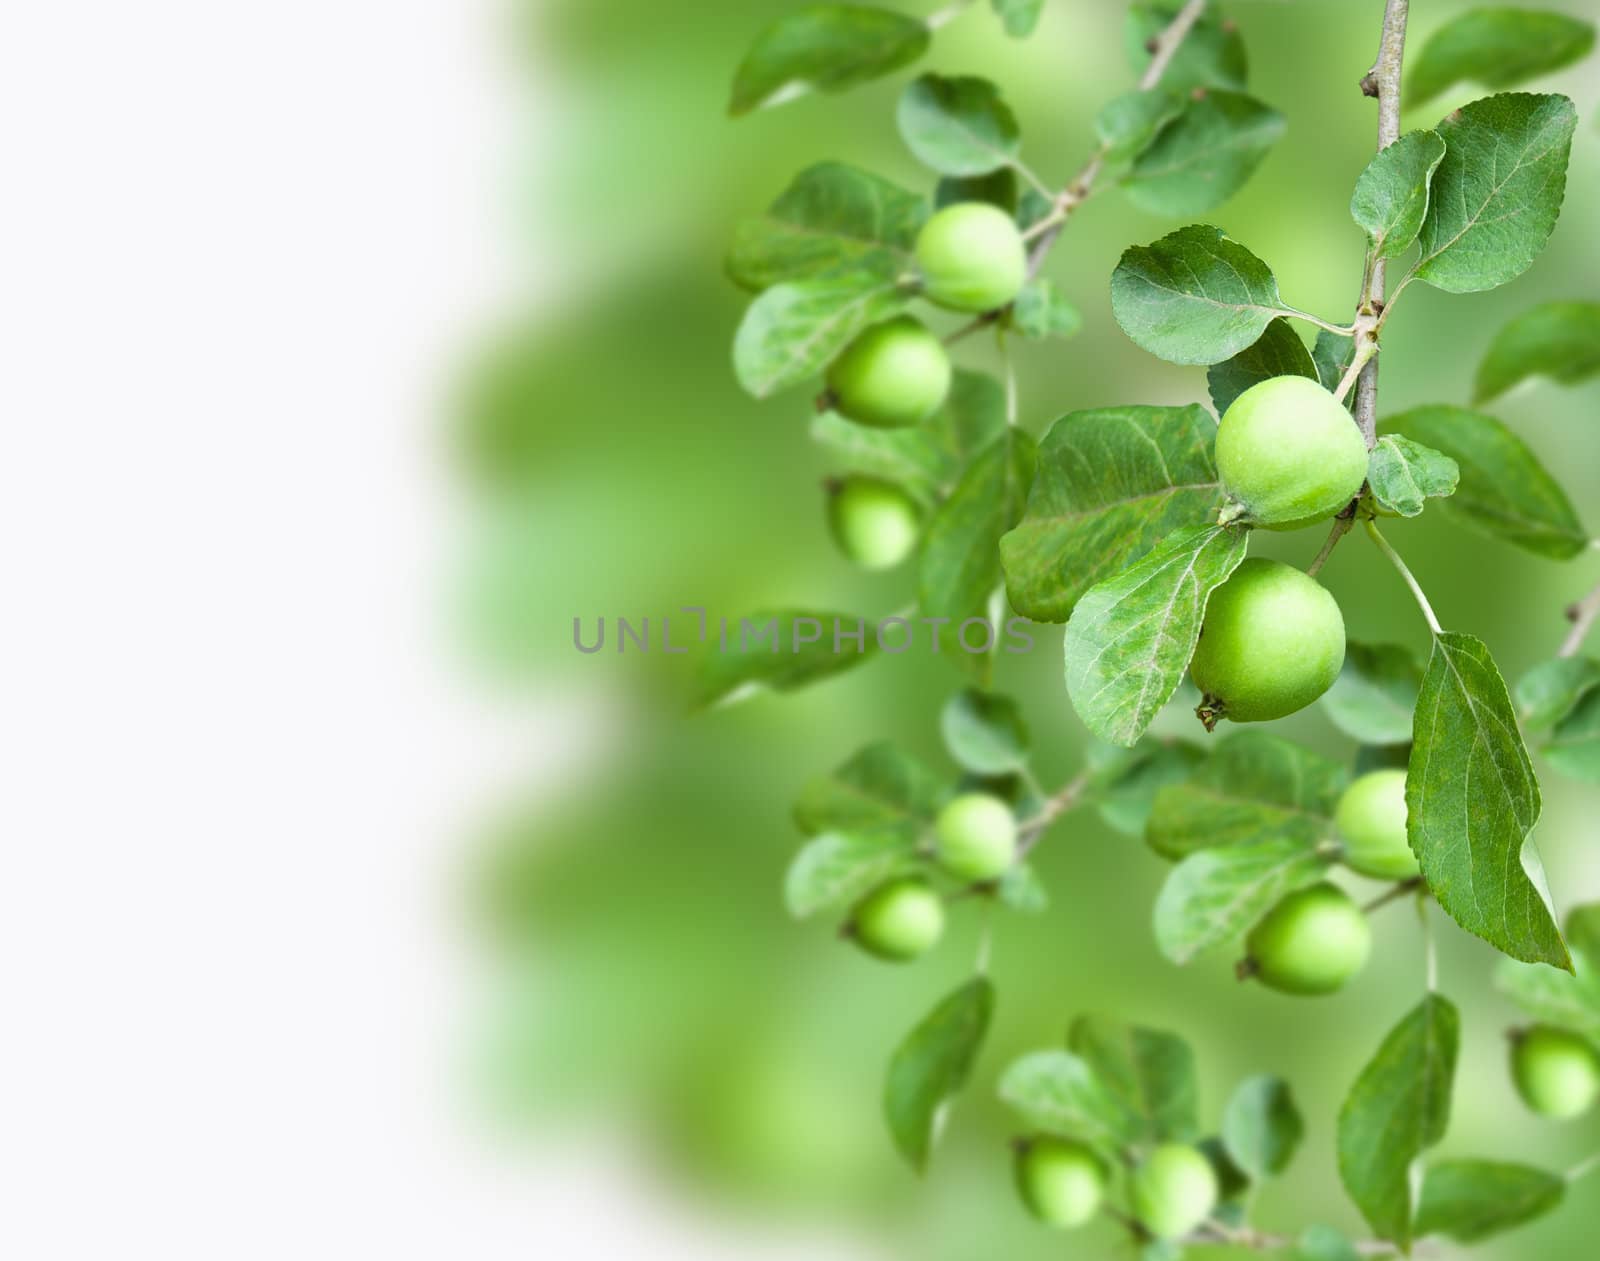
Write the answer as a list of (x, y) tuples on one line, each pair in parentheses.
[(1569, 1001)]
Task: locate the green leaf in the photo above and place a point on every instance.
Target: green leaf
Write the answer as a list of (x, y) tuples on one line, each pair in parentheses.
[(793, 330), (1324, 1243), (1214, 895), (998, 188), (1504, 491), (1150, 1072), (960, 561), (1205, 155), (1568, 1000), (932, 1065), (1255, 788), (881, 788), (1278, 352), (832, 217), (1212, 55), (1131, 637), (1059, 1092), (1471, 1200), (1127, 124), (1022, 890), (1397, 1109), (1019, 16), (1391, 195), (1497, 47), (1472, 801), (1125, 782), (1498, 191), (1040, 311), (1332, 353), (779, 650), (1402, 474), (1261, 1127), (1375, 695), (836, 868), (984, 732), (1552, 689), (824, 48), (1559, 340), (1194, 296), (1111, 484), (1574, 745), (958, 126)]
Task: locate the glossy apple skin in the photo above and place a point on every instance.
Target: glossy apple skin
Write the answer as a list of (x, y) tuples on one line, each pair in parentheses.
[(1372, 819), (976, 837), (875, 523), (1557, 1073), (1290, 453), (899, 921), (1311, 943), (972, 257), (1063, 1184), (1271, 643), (1174, 1190), (894, 375)]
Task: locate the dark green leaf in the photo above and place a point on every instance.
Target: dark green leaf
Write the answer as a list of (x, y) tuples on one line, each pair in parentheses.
[(1559, 340), (1256, 787), (791, 332), (984, 732), (1131, 637), (1125, 781), (1214, 895), (1497, 47), (1470, 1200), (1548, 693), (1375, 694), (881, 788), (1058, 1092), (1151, 1073), (1261, 1127), (1391, 195), (998, 188), (958, 126), (1332, 353), (1040, 311), (1194, 296), (932, 1065), (1019, 16), (780, 650), (1397, 1109), (1111, 484), (1127, 124), (1278, 352), (1472, 802), (1211, 56), (1403, 474), (1498, 191), (824, 48), (836, 868), (833, 216), (1205, 155), (1574, 745), (1324, 1243), (1504, 491)]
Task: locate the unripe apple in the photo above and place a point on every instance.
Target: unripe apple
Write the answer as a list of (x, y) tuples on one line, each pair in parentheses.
[(899, 920), (1372, 819), (1062, 1183), (1271, 643), (1557, 1073), (875, 523), (1289, 453), (1174, 1190), (1312, 942), (972, 257), (976, 837), (893, 375)]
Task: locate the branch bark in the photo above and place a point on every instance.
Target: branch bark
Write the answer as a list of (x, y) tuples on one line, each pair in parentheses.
[(1582, 615)]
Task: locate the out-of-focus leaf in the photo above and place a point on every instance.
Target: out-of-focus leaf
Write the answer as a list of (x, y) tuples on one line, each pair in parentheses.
[(1040, 311), (1391, 196), (881, 788), (824, 48), (1375, 694), (778, 650), (997, 187), (1403, 475), (1215, 894), (1127, 124), (1212, 55), (1559, 340), (1018, 16), (1574, 746), (1548, 693), (1332, 353), (1205, 155), (958, 126), (1324, 1243), (834, 869), (1498, 47), (1149, 1071), (1022, 890), (1262, 1127), (1471, 1200), (1059, 1092), (932, 1065), (792, 331), (1125, 782), (985, 732), (1278, 352)]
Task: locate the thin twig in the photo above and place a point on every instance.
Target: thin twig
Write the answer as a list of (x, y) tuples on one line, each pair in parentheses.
[(1584, 1168), (1402, 890), (1341, 527), (1582, 615), (1033, 828), (1411, 581), (1430, 949)]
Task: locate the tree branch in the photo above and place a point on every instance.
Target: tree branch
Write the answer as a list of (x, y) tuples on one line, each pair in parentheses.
[(1582, 615), (1033, 828)]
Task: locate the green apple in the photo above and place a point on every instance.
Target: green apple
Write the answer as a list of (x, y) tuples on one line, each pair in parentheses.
[(976, 837), (893, 375), (1289, 453), (1062, 1183), (1312, 942), (972, 257), (900, 920), (1557, 1073), (1271, 643), (1372, 819), (1174, 1190), (875, 523)]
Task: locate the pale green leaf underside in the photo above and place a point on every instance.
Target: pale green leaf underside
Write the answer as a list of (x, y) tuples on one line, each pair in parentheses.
[(932, 1065), (1559, 340), (835, 868), (984, 732), (1059, 1092), (1214, 895), (1149, 1071), (1574, 746), (1040, 311), (1375, 694), (1403, 475), (1568, 1000), (958, 126), (1262, 1127), (792, 331), (1019, 16)]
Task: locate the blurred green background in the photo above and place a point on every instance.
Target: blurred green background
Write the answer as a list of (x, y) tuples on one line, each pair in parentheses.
[(644, 974)]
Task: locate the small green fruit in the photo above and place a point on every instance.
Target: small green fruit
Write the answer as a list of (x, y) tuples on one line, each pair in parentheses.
[(977, 837), (972, 257), (894, 375), (875, 523), (1312, 942), (1174, 1190), (1557, 1073), (1272, 642), (1062, 1183), (899, 920), (1289, 453), (1372, 819)]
